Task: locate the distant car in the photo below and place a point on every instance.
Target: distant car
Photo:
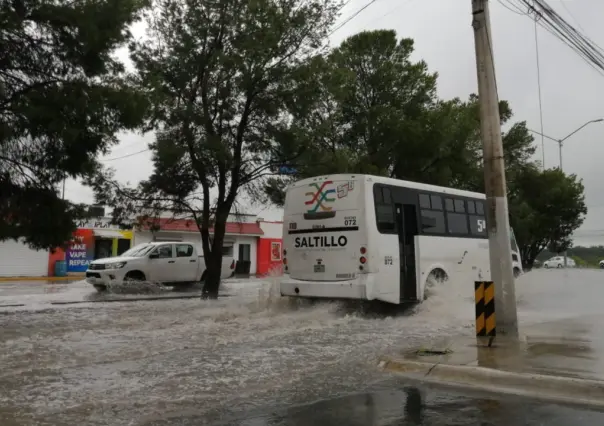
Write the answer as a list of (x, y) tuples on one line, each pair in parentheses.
[(558, 262), (601, 264)]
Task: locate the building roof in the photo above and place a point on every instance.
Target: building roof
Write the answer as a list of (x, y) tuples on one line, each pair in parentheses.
[(188, 225)]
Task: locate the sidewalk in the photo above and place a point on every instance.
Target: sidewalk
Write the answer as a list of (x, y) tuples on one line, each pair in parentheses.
[(561, 361)]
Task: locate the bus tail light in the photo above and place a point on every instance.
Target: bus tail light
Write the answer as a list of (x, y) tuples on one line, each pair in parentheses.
[(362, 260), (285, 261), (233, 264), (363, 250), (284, 252)]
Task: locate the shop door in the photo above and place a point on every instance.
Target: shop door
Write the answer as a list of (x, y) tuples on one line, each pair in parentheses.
[(103, 248), (123, 244), (244, 262)]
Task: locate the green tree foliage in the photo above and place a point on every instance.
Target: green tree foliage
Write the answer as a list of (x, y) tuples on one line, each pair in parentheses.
[(373, 110), (220, 76), (546, 207), (61, 104)]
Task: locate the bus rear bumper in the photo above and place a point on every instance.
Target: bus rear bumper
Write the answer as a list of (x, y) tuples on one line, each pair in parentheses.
[(323, 289)]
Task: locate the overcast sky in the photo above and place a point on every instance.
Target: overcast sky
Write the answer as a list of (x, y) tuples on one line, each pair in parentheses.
[(572, 91)]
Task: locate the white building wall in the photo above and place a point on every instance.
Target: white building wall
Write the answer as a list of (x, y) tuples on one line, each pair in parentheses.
[(18, 260), (271, 229)]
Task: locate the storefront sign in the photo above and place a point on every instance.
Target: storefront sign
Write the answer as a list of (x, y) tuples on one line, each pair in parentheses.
[(96, 224), (81, 251)]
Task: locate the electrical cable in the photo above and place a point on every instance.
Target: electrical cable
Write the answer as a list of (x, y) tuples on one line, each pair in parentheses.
[(125, 156)]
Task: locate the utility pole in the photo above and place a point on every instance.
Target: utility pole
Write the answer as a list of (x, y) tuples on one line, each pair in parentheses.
[(500, 249)]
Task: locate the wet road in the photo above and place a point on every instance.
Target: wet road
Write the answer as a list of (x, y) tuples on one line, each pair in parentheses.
[(250, 356), (394, 404)]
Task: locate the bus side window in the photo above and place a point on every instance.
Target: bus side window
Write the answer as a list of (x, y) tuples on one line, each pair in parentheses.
[(433, 222), (436, 202), (385, 218), (424, 201), (471, 207), (378, 198), (449, 205), (457, 223), (479, 208)]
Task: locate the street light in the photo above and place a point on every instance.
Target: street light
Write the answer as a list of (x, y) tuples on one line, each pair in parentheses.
[(560, 142)]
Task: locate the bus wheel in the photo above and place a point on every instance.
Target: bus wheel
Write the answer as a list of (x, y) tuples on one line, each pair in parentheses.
[(436, 278), (516, 272), (438, 275)]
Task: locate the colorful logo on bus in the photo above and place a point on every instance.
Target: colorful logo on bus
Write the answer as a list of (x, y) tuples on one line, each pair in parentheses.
[(320, 197)]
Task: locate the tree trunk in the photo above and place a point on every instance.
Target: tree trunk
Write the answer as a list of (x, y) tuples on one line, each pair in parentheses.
[(213, 260), (211, 284)]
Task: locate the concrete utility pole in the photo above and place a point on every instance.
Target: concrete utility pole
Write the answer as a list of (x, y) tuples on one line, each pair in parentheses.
[(494, 174)]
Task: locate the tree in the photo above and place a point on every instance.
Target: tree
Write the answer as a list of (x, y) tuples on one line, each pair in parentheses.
[(546, 207), (61, 104), (375, 111), (220, 76), (364, 103)]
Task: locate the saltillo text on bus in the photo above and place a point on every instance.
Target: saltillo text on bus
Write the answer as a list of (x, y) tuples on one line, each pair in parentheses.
[(375, 238)]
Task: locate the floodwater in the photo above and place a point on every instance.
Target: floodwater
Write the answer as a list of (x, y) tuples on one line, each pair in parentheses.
[(154, 362)]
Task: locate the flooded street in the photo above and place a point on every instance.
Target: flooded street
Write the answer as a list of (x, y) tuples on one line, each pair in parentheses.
[(166, 361)]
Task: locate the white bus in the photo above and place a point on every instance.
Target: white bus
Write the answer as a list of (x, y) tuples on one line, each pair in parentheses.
[(374, 238)]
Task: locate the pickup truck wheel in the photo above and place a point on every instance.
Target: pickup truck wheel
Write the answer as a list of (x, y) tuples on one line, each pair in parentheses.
[(100, 287), (134, 276)]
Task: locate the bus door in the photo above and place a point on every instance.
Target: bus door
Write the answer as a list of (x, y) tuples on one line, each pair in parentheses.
[(406, 219)]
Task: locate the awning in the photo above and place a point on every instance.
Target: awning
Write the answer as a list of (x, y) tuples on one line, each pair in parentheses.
[(107, 233)]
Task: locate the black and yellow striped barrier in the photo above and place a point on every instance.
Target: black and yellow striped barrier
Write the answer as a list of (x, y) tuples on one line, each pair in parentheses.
[(485, 308)]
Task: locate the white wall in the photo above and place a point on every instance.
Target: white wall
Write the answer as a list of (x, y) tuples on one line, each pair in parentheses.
[(18, 260), (271, 229)]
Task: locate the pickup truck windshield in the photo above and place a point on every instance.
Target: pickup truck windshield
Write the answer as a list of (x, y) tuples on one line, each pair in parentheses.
[(138, 251)]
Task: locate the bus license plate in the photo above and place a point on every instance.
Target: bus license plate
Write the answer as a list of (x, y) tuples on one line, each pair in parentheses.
[(319, 268)]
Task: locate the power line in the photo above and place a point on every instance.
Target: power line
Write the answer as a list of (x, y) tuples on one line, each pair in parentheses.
[(351, 17), (512, 8), (125, 156), (552, 22)]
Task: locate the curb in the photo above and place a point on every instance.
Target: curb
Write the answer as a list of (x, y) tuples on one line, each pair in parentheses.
[(574, 391)]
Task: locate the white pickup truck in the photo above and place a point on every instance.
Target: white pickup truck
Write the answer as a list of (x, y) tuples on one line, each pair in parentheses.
[(178, 264)]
